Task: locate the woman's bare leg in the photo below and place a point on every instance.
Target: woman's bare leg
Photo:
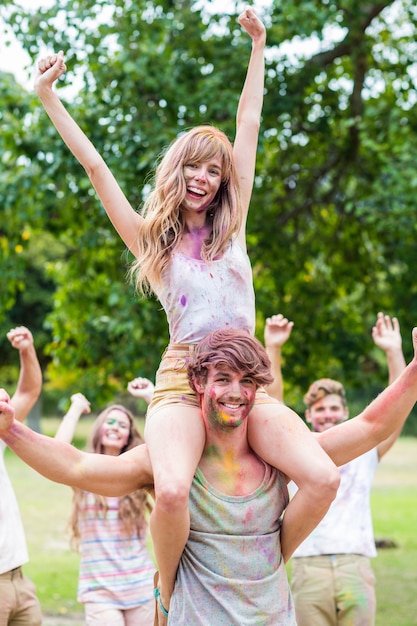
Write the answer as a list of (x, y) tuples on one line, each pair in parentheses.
[(175, 437)]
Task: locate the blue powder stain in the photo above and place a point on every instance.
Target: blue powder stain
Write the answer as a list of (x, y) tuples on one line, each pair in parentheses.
[(183, 301)]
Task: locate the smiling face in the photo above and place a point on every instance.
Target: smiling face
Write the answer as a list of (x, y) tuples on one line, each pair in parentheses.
[(202, 181), (227, 397), (114, 432), (327, 412)]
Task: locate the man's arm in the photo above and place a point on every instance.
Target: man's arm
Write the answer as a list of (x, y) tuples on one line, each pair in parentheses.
[(387, 336), (63, 463), (29, 385), (378, 421), (276, 332)]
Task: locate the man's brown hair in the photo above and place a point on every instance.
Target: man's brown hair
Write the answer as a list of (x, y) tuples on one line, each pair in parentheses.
[(235, 349), (324, 387)]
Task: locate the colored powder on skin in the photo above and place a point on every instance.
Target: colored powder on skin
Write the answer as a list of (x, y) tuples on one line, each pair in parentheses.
[(28, 435), (224, 417), (212, 451), (183, 301), (109, 423), (229, 464), (234, 479), (219, 419)]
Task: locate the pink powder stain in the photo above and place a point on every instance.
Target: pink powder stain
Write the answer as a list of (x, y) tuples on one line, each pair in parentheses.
[(269, 555), (248, 516), (183, 300), (15, 430)]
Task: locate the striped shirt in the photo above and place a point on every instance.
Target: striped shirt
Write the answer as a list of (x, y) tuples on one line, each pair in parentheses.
[(115, 568)]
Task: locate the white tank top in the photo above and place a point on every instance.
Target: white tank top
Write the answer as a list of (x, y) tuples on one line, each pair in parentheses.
[(199, 297)]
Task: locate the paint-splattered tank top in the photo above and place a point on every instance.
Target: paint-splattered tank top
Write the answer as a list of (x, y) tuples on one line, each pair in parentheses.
[(199, 297), (232, 572)]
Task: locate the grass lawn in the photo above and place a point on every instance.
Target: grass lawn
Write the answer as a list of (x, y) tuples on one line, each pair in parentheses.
[(45, 507), (394, 507)]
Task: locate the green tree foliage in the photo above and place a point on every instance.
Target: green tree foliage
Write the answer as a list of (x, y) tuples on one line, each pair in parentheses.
[(331, 228)]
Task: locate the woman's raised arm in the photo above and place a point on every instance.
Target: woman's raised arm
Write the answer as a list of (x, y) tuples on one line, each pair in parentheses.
[(248, 116), (122, 215)]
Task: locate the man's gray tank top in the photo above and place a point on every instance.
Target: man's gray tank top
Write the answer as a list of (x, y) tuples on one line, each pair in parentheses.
[(232, 572)]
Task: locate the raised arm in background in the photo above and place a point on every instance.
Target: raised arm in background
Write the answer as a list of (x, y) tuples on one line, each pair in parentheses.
[(387, 336), (276, 332), (79, 406), (29, 385), (378, 420)]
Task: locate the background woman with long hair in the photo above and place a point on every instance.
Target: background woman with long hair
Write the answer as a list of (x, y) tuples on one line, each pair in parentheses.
[(116, 570)]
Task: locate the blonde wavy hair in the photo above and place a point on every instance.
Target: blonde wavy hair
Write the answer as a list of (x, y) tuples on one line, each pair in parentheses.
[(163, 225), (133, 508)]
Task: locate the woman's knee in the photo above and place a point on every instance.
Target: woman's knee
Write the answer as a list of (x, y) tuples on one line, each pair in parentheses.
[(172, 496)]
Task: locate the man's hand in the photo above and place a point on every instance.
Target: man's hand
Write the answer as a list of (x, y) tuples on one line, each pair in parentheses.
[(20, 338), (80, 402), (6, 411), (386, 333), (141, 388), (277, 330)]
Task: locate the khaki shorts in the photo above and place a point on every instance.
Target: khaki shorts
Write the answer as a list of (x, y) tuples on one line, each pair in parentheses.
[(171, 382), (333, 589), (18, 601)]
